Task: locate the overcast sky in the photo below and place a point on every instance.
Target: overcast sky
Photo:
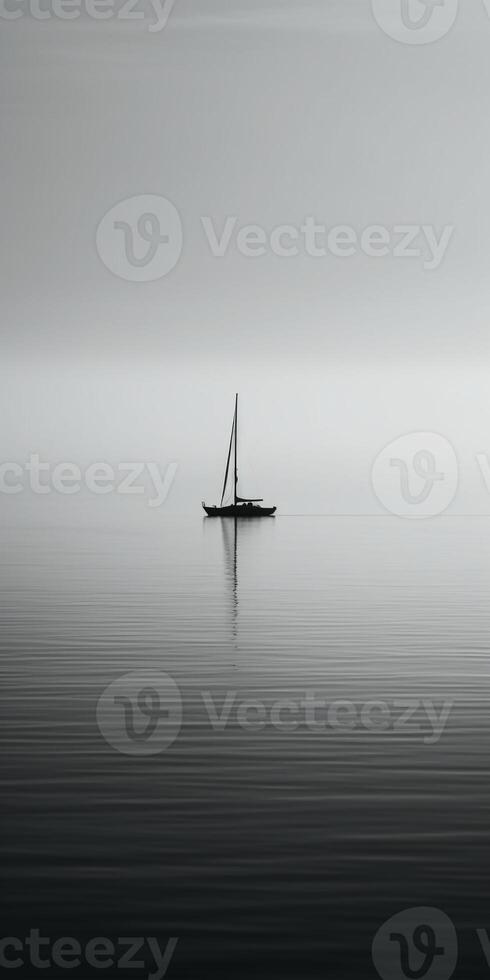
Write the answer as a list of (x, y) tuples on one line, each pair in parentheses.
[(259, 114)]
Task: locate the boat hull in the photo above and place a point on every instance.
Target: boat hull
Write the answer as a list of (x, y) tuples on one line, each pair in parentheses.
[(240, 510)]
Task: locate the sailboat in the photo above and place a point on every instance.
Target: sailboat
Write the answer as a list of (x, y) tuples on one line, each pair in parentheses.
[(241, 506)]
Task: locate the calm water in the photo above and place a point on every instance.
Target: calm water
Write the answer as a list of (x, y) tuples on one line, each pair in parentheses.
[(268, 852)]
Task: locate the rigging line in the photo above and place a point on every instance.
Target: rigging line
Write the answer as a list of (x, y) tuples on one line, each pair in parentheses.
[(228, 462)]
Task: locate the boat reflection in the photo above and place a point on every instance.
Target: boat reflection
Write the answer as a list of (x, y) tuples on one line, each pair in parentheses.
[(229, 532), (241, 543)]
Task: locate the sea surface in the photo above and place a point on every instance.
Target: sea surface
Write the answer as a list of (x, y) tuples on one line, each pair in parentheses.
[(271, 840)]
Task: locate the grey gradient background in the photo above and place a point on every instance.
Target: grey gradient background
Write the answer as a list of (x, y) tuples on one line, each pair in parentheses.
[(271, 112)]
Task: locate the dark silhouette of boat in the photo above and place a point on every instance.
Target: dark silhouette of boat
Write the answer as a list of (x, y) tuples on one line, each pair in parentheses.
[(241, 506)]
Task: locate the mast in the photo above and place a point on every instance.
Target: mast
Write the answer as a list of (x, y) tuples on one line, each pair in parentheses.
[(236, 448)]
